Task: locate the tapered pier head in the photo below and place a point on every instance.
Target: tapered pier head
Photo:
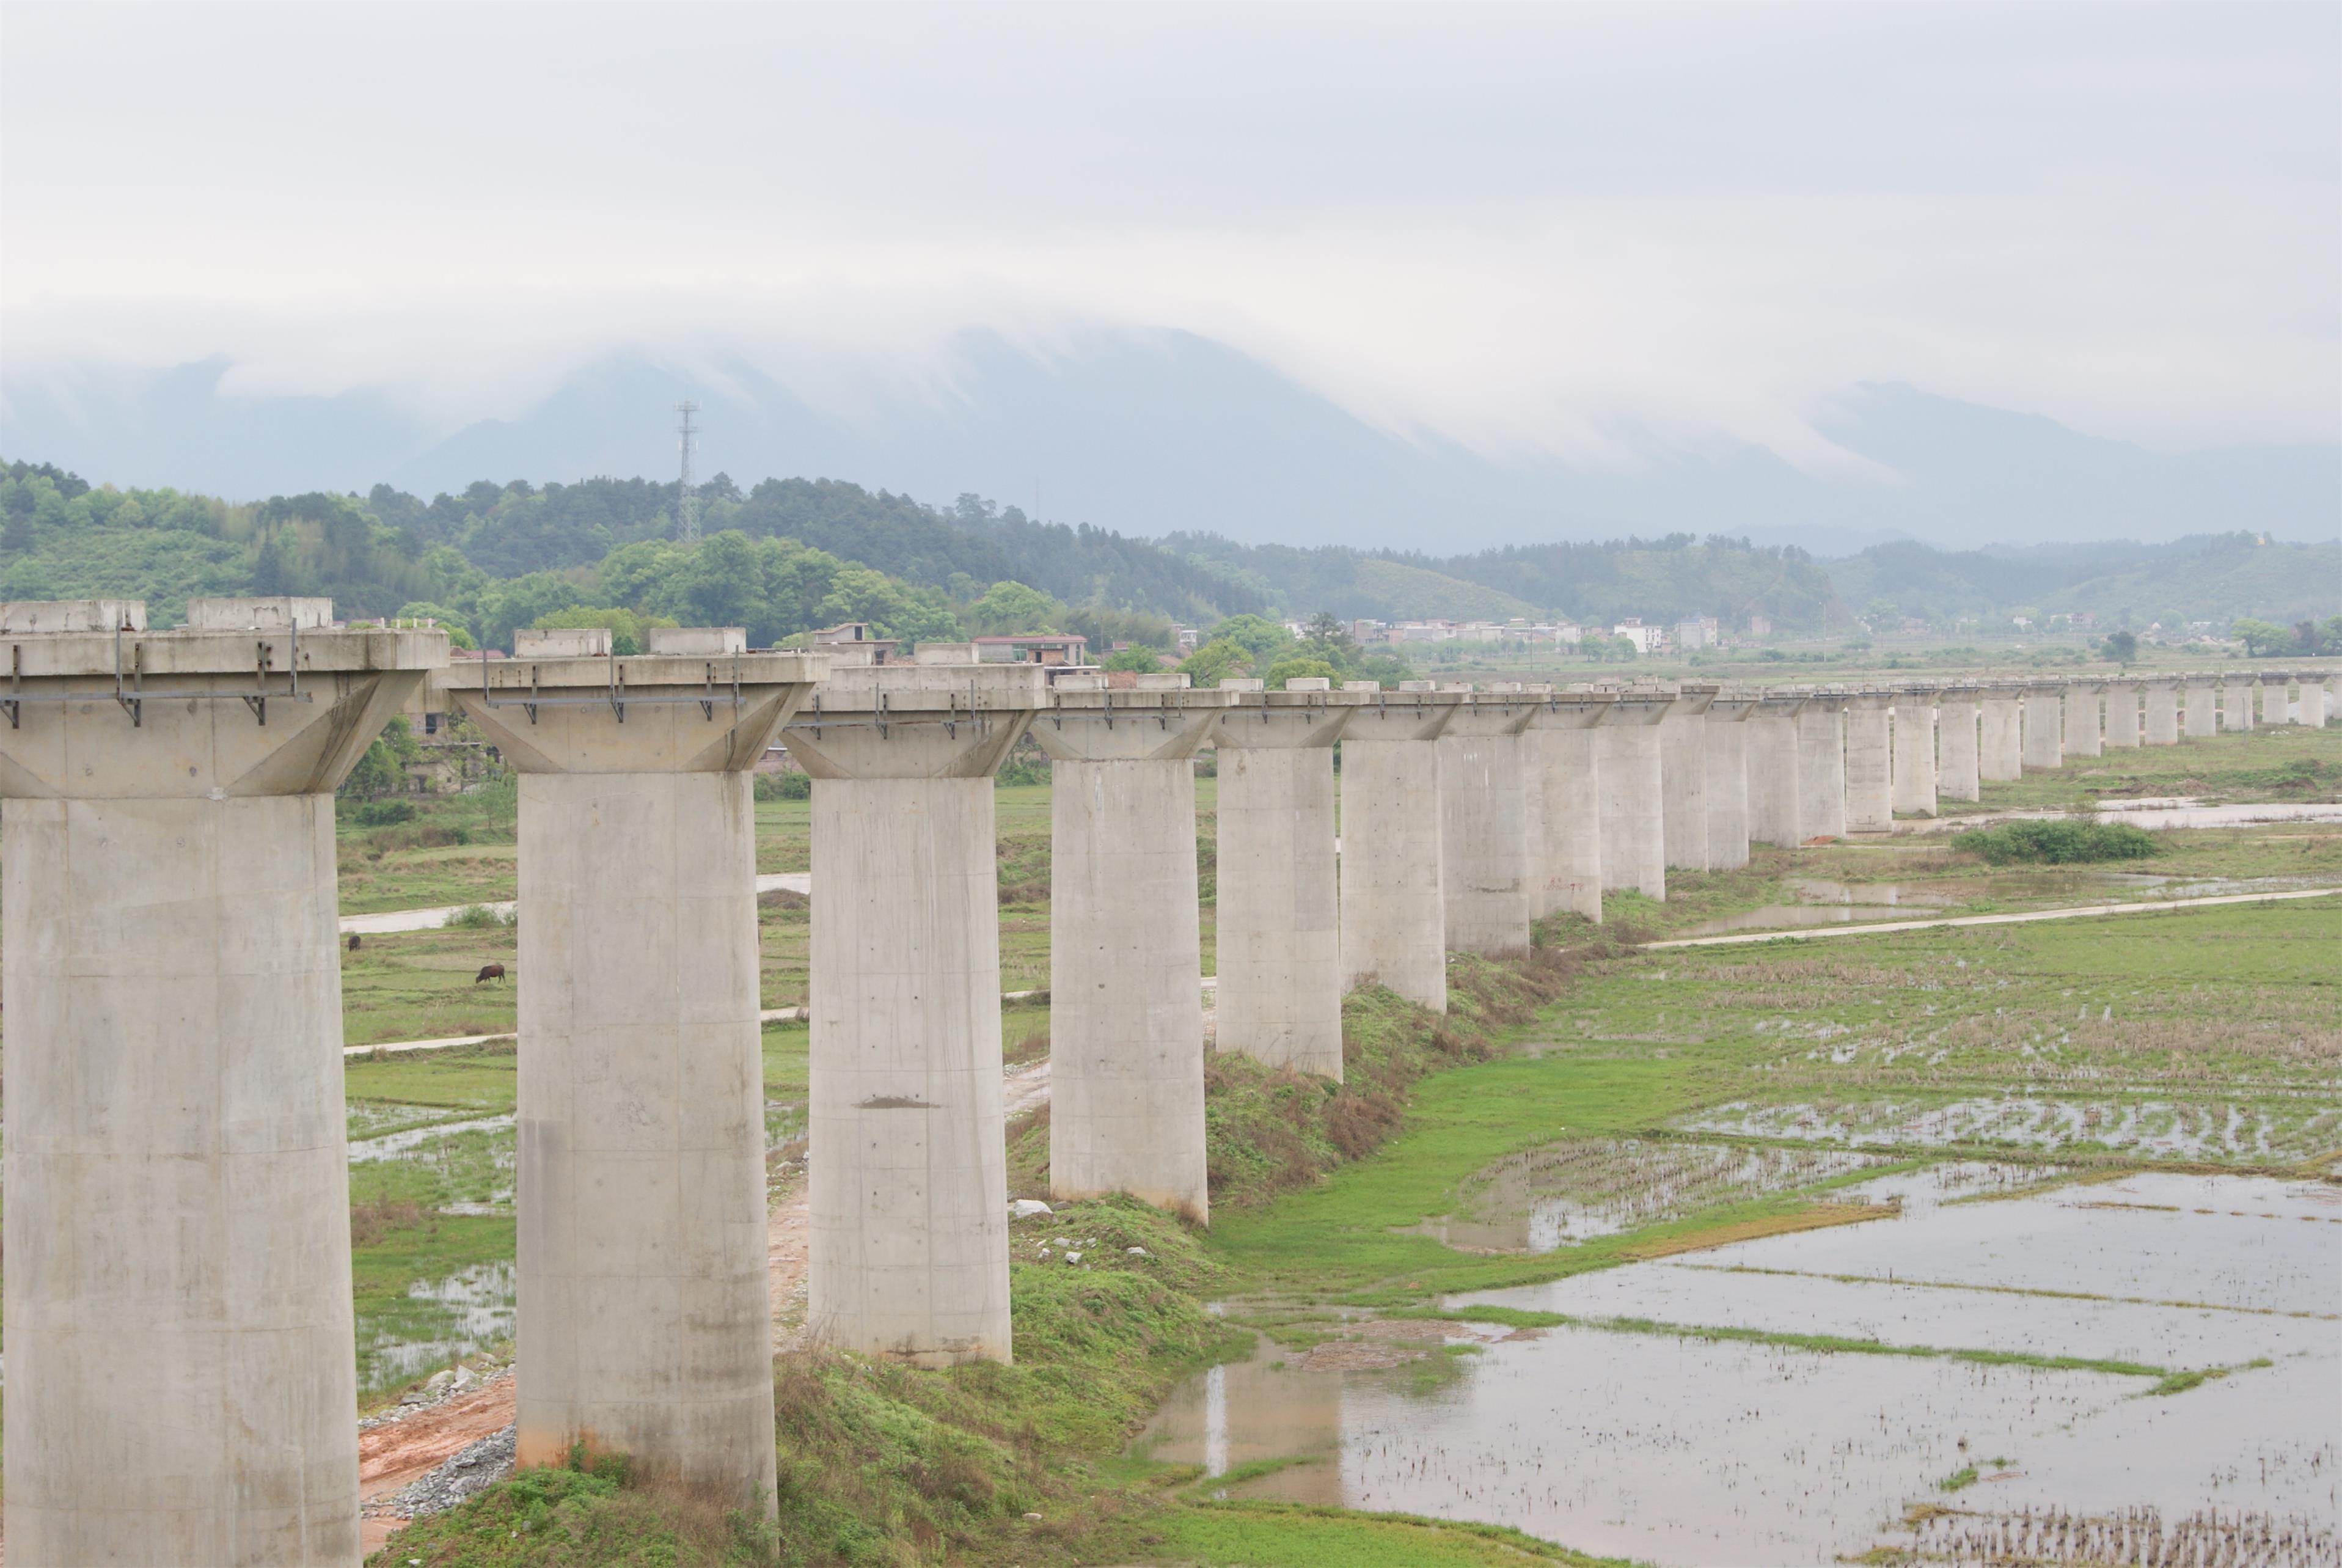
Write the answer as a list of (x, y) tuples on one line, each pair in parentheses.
[(1958, 755), (1821, 765), (1772, 753), (181, 1384), (2085, 734), (1279, 932), (1562, 800), (2202, 695), (1125, 967), (645, 1311), (2045, 730), (1630, 782), (2000, 742), (908, 1181), (1683, 765), (2161, 718), (1484, 817), (2277, 691), (1727, 779), (1394, 901), (2123, 731), (1914, 784), (2237, 702), (1870, 762)]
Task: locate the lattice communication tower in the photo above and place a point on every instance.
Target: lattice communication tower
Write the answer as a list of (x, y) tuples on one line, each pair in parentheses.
[(687, 505)]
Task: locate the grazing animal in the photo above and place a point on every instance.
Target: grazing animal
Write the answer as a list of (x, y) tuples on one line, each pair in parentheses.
[(354, 942), (489, 972)]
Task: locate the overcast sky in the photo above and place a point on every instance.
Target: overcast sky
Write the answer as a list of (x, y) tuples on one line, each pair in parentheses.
[(1526, 228)]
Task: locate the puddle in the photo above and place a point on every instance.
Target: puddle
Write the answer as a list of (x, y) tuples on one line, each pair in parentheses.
[(1571, 1191), (391, 1145), (2149, 814), (2161, 1128), (1673, 1449), (1825, 903), (444, 1321)]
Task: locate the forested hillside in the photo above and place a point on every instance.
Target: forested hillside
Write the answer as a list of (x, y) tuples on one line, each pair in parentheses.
[(2217, 578)]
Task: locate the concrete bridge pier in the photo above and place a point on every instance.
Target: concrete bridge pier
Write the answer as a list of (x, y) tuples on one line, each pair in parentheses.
[(2084, 737), (2000, 746), (1956, 757), (1772, 757), (1682, 765), (1484, 830), (2236, 703), (2045, 749), (1914, 763), (908, 1182), (1821, 766), (2203, 707), (1125, 964), (1279, 938), (1393, 915), (1562, 788), (2122, 716), (644, 1314), (181, 1386), (2277, 691), (1869, 772), (1727, 780), (2313, 701), (2162, 713), (1628, 780)]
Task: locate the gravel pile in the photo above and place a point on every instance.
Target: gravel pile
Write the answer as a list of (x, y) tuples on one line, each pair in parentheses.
[(475, 1468)]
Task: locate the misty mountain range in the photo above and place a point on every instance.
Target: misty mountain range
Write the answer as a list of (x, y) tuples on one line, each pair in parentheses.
[(1152, 433)]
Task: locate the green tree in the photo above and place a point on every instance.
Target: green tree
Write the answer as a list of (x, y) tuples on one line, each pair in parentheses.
[(1010, 608), (1263, 640), (382, 767), (1138, 658), (1219, 658), (1298, 667), (628, 628), (2120, 646), (2260, 638)]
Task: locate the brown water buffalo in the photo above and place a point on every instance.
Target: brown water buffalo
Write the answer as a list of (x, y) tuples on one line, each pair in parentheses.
[(489, 972)]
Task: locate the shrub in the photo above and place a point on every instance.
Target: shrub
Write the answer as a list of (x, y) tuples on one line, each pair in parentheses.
[(383, 813), (791, 786), (2059, 842)]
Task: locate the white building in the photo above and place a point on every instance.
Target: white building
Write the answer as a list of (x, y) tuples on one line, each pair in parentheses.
[(1646, 639)]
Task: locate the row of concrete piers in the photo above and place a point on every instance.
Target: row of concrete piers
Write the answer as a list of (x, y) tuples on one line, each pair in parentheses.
[(178, 1285)]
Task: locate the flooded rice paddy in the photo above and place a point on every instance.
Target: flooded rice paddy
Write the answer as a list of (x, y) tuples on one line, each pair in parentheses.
[(2267, 1128), (2152, 1359)]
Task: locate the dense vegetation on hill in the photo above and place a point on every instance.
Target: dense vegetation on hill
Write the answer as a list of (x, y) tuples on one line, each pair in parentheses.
[(2216, 578)]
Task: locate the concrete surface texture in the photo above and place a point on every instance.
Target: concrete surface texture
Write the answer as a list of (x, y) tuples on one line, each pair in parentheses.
[(1561, 798), (2123, 731), (1628, 778), (2084, 737), (2045, 725), (1772, 758), (1125, 964), (181, 1385), (1484, 820), (1914, 763), (1727, 781), (1393, 914), (2313, 704), (1869, 768), (2276, 687), (2236, 703), (909, 1255), (2203, 700), (645, 1323), (1821, 766), (2000, 742), (1279, 936), (2162, 713), (1682, 763), (1958, 776)]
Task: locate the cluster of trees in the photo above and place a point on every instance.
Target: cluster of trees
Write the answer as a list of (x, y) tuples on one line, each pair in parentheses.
[(1255, 646), (2268, 640)]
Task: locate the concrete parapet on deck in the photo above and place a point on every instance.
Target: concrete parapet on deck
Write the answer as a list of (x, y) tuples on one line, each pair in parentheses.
[(1562, 799), (1870, 762), (2203, 698), (1821, 765), (1125, 968), (1682, 765), (2122, 730), (1772, 752), (1727, 779), (1913, 761), (178, 1294), (1394, 916), (1279, 935), (1630, 780), (2000, 743), (908, 1184), (2045, 726), (1483, 833), (1958, 774), (2237, 702), (2161, 701), (644, 1318)]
